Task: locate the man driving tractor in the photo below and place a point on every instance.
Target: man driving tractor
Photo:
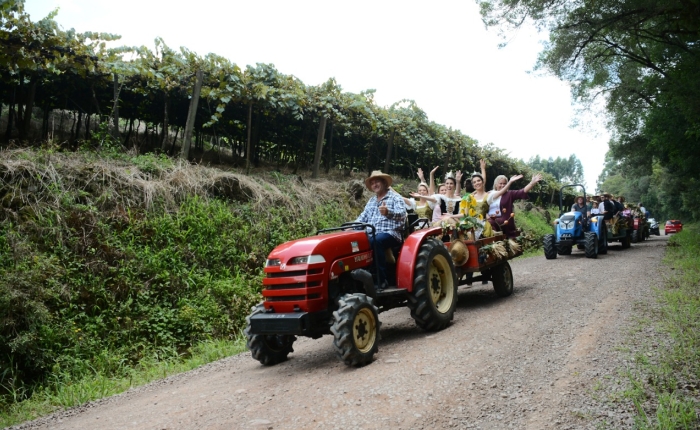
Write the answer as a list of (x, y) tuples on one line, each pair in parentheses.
[(386, 211)]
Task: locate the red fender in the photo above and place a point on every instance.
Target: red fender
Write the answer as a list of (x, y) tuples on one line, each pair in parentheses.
[(408, 255)]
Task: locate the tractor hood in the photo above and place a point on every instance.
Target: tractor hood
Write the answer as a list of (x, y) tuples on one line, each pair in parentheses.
[(317, 249)]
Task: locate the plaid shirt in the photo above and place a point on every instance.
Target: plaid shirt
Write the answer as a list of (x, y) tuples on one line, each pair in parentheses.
[(395, 220)]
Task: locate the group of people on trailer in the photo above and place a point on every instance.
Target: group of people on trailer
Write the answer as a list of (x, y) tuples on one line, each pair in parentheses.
[(608, 206), (386, 210)]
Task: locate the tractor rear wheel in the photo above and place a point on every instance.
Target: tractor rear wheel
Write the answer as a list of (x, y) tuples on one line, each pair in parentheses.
[(603, 242), (434, 297), (502, 278), (355, 329), (550, 250), (268, 349), (591, 244)]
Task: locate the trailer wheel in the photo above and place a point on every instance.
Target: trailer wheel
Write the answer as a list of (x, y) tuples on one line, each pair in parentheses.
[(626, 242), (550, 250), (268, 349), (355, 329), (434, 297), (591, 244), (502, 278)]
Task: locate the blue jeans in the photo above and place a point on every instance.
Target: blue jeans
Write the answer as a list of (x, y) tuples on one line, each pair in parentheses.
[(383, 241)]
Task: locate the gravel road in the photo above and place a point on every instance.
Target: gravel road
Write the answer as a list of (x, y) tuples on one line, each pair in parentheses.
[(537, 359)]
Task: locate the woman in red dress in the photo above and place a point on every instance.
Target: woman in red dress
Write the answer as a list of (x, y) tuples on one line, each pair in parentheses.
[(501, 201)]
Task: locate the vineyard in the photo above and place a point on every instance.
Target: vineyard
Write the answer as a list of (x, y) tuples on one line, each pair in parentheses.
[(79, 89)]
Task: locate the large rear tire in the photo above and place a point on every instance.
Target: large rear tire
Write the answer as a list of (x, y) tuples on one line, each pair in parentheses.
[(591, 244), (550, 250), (355, 329), (268, 349), (502, 278), (434, 297), (603, 242)]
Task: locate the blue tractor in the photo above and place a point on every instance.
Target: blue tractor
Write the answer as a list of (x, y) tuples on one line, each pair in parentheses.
[(572, 228)]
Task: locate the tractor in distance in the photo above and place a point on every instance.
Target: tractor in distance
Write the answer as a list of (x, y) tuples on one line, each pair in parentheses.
[(573, 229)]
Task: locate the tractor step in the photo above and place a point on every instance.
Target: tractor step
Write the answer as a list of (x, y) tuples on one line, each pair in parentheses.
[(391, 291)]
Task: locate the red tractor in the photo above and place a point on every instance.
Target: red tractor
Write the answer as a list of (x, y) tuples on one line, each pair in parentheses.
[(324, 284)]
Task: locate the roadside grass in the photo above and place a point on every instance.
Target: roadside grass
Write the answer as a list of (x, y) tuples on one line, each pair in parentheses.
[(664, 382), (64, 391), (535, 225)]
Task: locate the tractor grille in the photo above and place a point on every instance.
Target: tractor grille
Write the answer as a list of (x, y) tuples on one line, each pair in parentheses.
[(287, 274), (286, 291), (293, 298)]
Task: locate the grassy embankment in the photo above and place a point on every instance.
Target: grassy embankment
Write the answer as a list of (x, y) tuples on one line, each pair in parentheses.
[(118, 270), (661, 382), (665, 377)]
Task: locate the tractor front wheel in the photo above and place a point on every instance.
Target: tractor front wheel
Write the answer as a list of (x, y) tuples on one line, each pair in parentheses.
[(550, 249), (591, 244), (355, 329), (635, 236), (268, 349), (434, 297), (502, 277)]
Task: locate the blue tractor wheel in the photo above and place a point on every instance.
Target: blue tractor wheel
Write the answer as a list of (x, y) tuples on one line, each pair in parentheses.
[(591, 244), (550, 250), (603, 241)]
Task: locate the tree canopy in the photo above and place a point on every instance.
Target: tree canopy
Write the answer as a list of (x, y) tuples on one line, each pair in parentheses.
[(642, 57)]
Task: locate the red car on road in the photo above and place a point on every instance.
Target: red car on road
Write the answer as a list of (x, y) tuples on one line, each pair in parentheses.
[(673, 226)]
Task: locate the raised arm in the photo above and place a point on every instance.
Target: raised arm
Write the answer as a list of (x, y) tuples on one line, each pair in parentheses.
[(420, 196), (493, 195), (431, 188), (482, 162), (458, 178), (535, 179)]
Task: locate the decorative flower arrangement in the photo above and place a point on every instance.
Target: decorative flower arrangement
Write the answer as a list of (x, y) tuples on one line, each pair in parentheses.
[(500, 249), (472, 223)]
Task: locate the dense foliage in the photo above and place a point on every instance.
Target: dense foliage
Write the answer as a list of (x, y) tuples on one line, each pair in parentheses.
[(107, 261), (642, 57)]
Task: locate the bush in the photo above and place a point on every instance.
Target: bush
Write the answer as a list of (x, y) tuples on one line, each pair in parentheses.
[(89, 285)]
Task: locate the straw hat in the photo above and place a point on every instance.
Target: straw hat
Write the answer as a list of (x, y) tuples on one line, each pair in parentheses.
[(459, 252), (378, 174)]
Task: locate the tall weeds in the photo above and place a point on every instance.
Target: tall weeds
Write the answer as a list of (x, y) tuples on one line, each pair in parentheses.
[(111, 261)]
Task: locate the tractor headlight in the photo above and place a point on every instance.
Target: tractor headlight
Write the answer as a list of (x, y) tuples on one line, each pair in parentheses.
[(307, 259), (594, 220), (272, 262)]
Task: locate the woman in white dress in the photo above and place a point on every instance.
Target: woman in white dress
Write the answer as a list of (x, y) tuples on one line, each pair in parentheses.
[(447, 207)]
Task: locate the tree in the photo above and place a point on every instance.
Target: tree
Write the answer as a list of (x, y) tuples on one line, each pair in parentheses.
[(642, 57), (565, 170)]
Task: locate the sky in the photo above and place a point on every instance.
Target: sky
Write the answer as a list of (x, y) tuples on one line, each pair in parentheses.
[(437, 53)]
